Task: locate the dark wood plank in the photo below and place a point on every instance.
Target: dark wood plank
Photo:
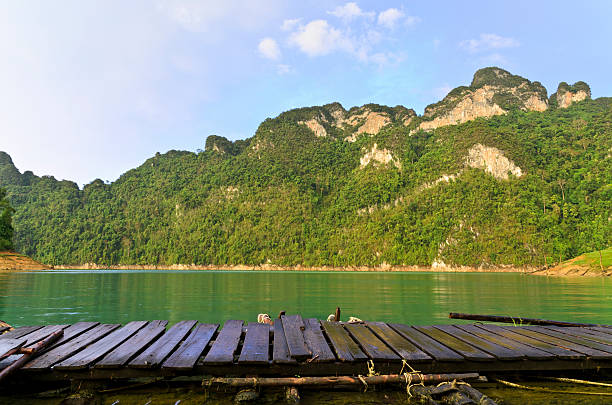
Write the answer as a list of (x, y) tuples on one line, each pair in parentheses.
[(588, 340), (188, 353), (155, 354), (404, 348), (20, 331), (375, 348), (313, 335), (529, 352), (559, 352), (3, 329), (293, 325), (226, 343), (280, 350), (97, 350), (566, 342), (602, 329), (73, 331), (7, 361), (466, 350), (42, 333), (501, 352), (345, 347), (59, 353), (7, 345), (133, 346), (430, 346), (255, 349), (587, 333)]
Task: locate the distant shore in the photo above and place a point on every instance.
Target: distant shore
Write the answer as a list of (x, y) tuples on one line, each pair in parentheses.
[(272, 267)]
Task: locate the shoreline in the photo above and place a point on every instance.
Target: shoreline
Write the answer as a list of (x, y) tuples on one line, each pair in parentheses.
[(272, 267)]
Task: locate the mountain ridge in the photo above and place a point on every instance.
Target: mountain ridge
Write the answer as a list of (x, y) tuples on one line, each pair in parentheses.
[(368, 186)]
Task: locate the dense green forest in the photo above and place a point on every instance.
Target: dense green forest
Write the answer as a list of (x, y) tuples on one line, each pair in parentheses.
[(6, 225), (288, 197)]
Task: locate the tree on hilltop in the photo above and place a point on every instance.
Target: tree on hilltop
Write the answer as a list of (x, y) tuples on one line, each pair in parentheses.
[(6, 226)]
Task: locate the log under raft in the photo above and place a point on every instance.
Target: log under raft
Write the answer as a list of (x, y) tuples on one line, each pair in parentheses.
[(323, 354)]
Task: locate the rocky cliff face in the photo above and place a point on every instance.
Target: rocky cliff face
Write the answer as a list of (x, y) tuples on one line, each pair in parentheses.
[(493, 91), (566, 95), (493, 161)]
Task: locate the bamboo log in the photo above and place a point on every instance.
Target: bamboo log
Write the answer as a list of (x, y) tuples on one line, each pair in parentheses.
[(517, 320), (30, 352), (339, 380), (476, 395)]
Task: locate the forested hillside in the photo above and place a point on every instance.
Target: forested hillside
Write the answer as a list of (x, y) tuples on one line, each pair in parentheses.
[(368, 186)]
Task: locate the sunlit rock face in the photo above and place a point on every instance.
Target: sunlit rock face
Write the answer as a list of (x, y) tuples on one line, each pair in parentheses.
[(493, 161), (567, 95), (379, 157)]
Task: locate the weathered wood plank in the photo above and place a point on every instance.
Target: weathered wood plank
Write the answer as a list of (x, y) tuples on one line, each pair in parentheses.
[(42, 333), (280, 350), (529, 352), (399, 344), (73, 331), (155, 354), (559, 352), (293, 325), (602, 329), (226, 343), (188, 353), (59, 353), (466, 350), (7, 361), (133, 346), (255, 349), (430, 346), (20, 331), (345, 347), (8, 345), (501, 352), (97, 350), (563, 342), (375, 348), (588, 340), (313, 335), (587, 333)]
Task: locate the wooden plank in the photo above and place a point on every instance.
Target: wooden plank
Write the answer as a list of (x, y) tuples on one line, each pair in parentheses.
[(8, 345), (588, 340), (155, 354), (20, 331), (97, 350), (399, 344), (226, 343), (7, 361), (188, 353), (559, 352), (293, 326), (501, 352), (42, 333), (73, 331), (587, 333), (430, 346), (133, 346), (313, 335), (280, 350), (566, 342), (345, 347), (529, 352), (466, 350), (256, 344), (602, 329), (375, 348), (59, 353)]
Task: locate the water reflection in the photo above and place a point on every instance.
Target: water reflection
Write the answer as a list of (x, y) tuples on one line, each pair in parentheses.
[(416, 298)]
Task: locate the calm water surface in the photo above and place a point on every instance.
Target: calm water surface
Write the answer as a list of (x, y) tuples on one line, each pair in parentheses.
[(415, 298)]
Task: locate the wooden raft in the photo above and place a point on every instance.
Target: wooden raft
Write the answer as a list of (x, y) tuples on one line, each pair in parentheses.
[(305, 347)]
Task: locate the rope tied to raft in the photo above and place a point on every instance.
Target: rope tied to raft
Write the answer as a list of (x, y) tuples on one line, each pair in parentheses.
[(408, 376)]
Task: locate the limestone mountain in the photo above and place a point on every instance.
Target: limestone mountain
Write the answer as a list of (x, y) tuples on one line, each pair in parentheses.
[(525, 184)]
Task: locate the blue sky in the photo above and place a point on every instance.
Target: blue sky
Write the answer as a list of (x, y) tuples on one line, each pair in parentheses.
[(90, 89)]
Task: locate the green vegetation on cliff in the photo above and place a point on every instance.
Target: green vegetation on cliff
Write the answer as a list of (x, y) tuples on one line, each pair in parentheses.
[(288, 197), (6, 225)]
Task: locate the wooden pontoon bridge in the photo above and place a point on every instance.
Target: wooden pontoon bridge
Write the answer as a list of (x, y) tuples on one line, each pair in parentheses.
[(295, 346)]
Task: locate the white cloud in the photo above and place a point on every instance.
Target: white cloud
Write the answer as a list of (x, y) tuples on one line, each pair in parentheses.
[(268, 48), (390, 17), (289, 25), (487, 42), (318, 38), (411, 20), (349, 11)]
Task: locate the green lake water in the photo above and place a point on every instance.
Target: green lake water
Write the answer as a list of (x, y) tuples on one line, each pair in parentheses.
[(47, 297)]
